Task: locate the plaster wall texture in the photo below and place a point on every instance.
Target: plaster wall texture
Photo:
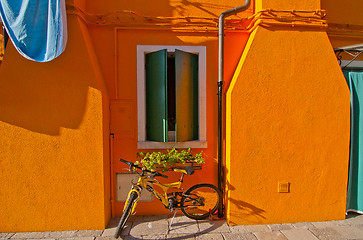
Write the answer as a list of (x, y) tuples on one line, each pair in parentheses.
[(125, 141), (343, 12), (55, 123), (347, 17), (287, 121), (167, 8), (287, 5), (54, 167), (116, 51)]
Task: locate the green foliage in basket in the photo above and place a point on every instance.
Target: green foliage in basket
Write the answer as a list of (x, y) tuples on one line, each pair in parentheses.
[(172, 156)]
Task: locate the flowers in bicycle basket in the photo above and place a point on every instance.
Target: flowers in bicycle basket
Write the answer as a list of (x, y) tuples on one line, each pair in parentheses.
[(153, 160)]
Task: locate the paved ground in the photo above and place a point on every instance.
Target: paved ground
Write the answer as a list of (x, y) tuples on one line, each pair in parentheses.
[(156, 227)]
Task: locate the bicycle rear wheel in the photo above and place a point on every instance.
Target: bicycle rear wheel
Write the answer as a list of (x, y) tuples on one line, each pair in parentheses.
[(127, 212), (199, 200)]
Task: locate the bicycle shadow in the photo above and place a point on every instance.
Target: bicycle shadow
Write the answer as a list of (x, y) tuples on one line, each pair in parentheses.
[(244, 210), (182, 229)]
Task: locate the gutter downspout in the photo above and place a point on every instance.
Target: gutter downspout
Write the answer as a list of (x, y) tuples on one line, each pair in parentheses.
[(220, 89)]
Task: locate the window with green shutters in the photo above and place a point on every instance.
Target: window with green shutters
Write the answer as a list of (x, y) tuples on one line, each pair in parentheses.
[(171, 96)]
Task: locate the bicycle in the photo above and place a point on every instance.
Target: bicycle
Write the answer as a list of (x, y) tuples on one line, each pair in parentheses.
[(198, 202)]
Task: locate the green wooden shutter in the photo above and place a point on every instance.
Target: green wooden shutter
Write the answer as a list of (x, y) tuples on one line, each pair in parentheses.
[(186, 87), (156, 96)]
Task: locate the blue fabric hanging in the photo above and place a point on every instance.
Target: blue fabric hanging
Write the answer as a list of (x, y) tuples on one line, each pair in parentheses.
[(37, 28), (355, 183)]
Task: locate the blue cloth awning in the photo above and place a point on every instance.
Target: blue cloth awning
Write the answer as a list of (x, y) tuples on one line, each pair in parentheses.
[(37, 28)]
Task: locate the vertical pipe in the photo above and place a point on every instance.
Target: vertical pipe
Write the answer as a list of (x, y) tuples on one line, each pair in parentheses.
[(220, 90), (116, 64), (112, 185)]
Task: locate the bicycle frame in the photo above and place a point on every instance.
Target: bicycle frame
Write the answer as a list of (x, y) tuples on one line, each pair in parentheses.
[(188, 201), (148, 184)]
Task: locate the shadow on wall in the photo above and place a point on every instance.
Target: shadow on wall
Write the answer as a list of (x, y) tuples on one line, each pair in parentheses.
[(211, 9), (164, 8), (343, 13), (244, 210), (43, 97)]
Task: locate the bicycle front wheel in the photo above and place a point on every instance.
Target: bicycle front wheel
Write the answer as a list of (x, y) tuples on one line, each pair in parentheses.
[(200, 200), (127, 212)]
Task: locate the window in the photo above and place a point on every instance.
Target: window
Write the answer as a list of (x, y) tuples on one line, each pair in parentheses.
[(171, 96)]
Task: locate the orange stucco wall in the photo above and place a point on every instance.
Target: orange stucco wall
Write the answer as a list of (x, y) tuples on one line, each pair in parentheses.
[(54, 116), (54, 141), (342, 12), (125, 142), (287, 115), (287, 5), (348, 18), (1, 45), (118, 63), (287, 121)]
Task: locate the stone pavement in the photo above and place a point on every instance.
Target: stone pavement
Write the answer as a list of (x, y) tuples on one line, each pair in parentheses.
[(156, 227)]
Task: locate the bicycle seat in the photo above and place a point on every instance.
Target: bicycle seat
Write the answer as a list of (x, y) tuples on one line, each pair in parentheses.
[(187, 170)]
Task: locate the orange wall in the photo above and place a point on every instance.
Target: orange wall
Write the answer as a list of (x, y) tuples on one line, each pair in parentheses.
[(120, 74), (54, 140), (279, 122), (103, 37), (125, 143), (167, 8), (287, 121), (343, 12), (58, 111), (287, 5), (1, 44), (348, 17)]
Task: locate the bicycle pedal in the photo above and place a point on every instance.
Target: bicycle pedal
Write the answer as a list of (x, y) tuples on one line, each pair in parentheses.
[(211, 218)]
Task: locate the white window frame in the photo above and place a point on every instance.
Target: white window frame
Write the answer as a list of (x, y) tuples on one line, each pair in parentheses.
[(142, 143)]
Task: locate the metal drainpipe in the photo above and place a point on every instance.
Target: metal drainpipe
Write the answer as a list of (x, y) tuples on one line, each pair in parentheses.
[(220, 89)]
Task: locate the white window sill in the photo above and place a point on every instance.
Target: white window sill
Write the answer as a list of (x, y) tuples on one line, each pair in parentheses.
[(165, 145)]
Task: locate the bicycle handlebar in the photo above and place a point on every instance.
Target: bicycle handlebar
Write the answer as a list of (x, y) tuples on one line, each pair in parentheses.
[(132, 165)]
